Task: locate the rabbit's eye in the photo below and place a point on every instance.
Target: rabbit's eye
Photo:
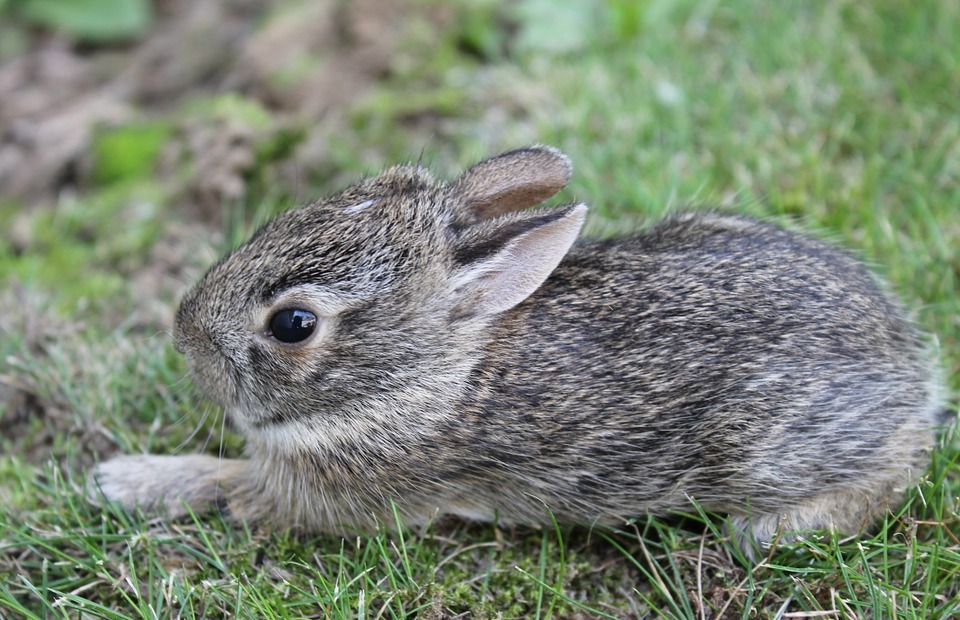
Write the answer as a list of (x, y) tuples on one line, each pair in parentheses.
[(293, 325)]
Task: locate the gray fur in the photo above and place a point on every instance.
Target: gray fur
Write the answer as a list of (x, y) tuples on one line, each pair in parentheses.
[(716, 358)]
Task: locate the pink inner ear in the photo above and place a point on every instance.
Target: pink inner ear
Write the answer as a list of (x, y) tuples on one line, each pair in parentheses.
[(513, 181), (506, 278)]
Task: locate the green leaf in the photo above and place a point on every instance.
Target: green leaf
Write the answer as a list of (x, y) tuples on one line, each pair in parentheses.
[(91, 20)]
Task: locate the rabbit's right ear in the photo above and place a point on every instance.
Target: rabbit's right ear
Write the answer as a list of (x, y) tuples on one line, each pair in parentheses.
[(512, 181), (502, 262)]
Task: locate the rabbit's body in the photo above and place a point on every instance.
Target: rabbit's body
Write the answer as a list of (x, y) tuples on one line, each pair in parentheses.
[(754, 384), (756, 371)]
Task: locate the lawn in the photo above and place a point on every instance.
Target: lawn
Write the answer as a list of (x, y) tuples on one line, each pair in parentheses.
[(135, 150)]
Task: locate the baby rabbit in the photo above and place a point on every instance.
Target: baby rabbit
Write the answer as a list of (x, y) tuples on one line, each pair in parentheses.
[(438, 348)]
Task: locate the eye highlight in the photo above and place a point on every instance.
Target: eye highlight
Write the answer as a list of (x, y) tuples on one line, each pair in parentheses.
[(293, 325)]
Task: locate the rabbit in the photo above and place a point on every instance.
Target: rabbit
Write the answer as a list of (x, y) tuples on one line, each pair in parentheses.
[(415, 348)]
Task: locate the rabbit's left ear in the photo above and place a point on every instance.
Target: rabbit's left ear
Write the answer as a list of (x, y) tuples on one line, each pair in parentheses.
[(502, 262), (512, 181)]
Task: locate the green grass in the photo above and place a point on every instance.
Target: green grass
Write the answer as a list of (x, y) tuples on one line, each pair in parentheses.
[(839, 117)]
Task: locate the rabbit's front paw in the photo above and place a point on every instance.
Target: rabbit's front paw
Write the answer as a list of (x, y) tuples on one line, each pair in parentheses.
[(163, 483)]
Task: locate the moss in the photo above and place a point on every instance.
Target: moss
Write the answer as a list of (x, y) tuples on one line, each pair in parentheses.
[(127, 153)]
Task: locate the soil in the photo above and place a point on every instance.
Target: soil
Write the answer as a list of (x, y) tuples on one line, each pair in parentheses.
[(301, 60)]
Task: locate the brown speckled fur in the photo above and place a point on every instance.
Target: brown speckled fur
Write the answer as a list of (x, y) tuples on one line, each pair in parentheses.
[(761, 372)]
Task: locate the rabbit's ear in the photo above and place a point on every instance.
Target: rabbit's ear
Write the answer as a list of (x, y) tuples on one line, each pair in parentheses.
[(503, 262), (512, 181)]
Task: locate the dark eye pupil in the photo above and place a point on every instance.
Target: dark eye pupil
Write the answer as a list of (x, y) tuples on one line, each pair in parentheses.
[(293, 325)]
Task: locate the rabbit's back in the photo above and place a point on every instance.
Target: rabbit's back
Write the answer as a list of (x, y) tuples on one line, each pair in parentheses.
[(713, 357)]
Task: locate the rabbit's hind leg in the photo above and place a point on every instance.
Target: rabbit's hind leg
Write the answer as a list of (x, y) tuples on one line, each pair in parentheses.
[(845, 511)]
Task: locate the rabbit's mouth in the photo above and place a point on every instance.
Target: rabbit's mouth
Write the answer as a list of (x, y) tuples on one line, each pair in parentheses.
[(221, 380)]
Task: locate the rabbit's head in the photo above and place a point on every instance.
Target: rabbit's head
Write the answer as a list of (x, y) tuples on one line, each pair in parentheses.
[(338, 311)]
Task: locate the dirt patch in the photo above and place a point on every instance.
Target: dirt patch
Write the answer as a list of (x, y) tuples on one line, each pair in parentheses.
[(50, 101), (316, 57), (301, 59)]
